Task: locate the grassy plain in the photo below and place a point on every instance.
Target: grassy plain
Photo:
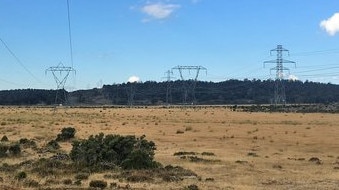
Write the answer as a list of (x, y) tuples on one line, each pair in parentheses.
[(249, 150)]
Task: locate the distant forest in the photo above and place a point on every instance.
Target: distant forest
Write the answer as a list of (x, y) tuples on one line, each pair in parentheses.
[(179, 92)]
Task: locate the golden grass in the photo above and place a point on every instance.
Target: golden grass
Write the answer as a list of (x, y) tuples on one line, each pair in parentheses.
[(252, 150)]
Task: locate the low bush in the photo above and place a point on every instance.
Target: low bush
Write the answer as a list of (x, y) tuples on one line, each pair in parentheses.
[(98, 184), (53, 144), (66, 134), (192, 187), (82, 176), (14, 149), (3, 150), (26, 143), (208, 154), (105, 152), (20, 176), (67, 182)]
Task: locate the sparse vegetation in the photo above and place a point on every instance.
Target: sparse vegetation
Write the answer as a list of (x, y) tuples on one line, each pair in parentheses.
[(208, 150)]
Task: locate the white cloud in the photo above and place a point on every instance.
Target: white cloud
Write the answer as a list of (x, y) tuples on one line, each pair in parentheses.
[(159, 10), (133, 79), (331, 25)]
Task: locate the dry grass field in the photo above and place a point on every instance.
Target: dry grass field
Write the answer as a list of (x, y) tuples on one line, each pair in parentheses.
[(226, 149)]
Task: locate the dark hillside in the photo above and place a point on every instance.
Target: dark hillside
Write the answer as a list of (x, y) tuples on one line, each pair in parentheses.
[(181, 92)]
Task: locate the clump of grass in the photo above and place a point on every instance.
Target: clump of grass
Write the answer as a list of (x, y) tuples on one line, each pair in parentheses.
[(208, 154), (183, 153), (198, 159), (82, 176), (179, 131), (98, 184), (253, 154), (31, 183), (209, 179), (140, 177), (4, 139), (53, 145), (192, 187), (20, 176), (67, 182)]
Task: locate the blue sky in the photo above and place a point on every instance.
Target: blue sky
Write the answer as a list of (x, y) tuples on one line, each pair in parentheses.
[(116, 39)]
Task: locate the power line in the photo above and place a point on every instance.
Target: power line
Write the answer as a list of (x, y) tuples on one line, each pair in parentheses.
[(322, 69), (312, 66), (12, 83), (18, 60), (309, 53), (70, 32)]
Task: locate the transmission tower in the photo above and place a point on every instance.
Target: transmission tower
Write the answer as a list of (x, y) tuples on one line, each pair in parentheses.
[(130, 90), (60, 74), (279, 88), (189, 84), (169, 78)]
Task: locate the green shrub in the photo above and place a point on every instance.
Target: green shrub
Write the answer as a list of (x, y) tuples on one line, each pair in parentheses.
[(66, 134), (3, 150), (53, 144), (98, 184), (15, 149), (67, 182), (110, 150), (20, 176), (26, 143), (138, 159)]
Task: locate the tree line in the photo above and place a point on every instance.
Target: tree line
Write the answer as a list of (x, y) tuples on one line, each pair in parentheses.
[(180, 92)]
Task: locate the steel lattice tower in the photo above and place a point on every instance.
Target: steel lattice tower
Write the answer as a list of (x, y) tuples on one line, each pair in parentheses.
[(130, 93), (190, 84), (60, 74), (279, 88), (169, 77)]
